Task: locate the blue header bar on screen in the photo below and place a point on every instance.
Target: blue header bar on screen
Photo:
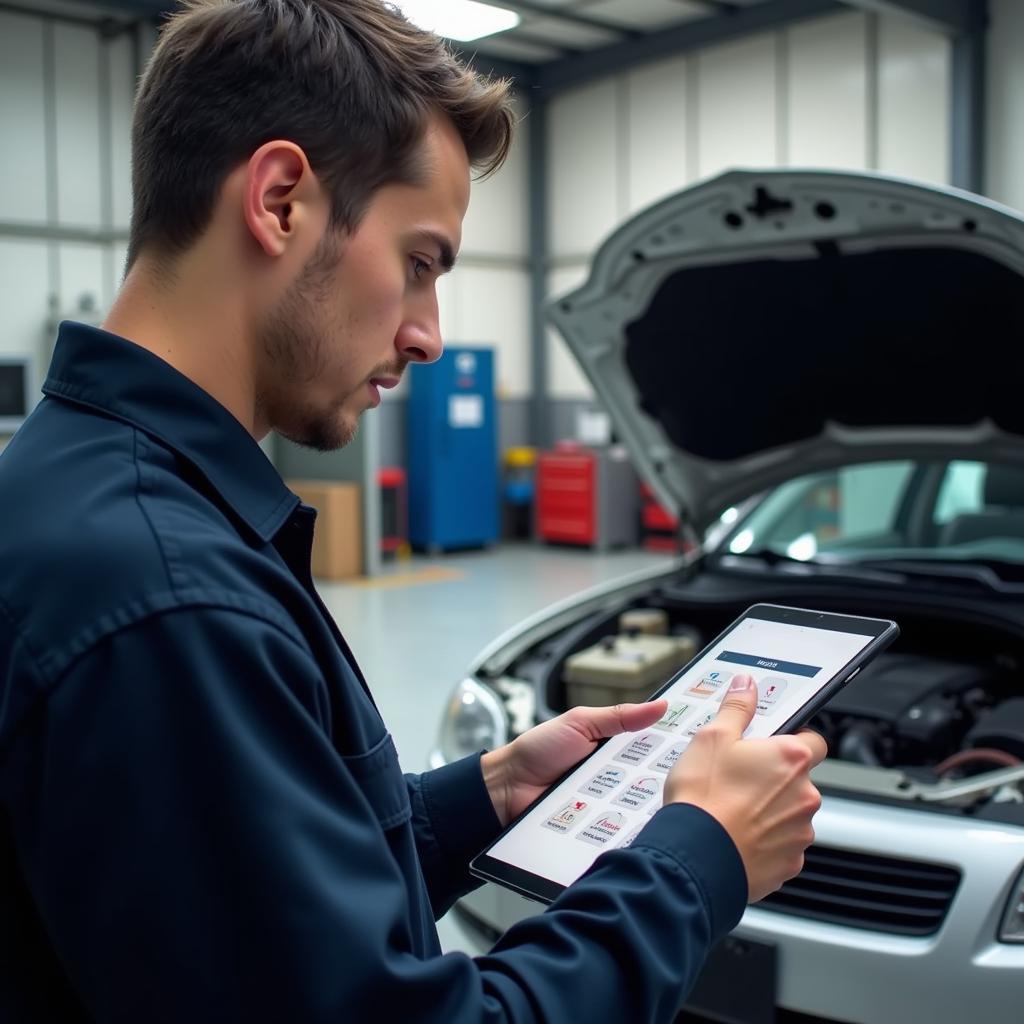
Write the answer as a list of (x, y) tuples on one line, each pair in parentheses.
[(791, 667)]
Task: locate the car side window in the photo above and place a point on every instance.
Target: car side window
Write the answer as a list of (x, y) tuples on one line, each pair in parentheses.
[(856, 504), (870, 498), (961, 491)]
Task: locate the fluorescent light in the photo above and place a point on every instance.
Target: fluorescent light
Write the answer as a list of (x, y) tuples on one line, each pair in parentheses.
[(458, 19)]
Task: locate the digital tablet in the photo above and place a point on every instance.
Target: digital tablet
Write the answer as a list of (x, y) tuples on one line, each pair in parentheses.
[(798, 658)]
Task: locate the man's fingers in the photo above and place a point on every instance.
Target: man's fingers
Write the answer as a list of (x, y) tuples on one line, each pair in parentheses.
[(815, 744), (640, 716), (604, 722), (738, 707)]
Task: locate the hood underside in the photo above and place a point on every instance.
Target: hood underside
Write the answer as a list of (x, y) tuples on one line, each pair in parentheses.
[(766, 324)]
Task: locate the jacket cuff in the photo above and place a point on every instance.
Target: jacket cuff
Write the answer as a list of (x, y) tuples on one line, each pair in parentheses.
[(460, 808), (702, 847)]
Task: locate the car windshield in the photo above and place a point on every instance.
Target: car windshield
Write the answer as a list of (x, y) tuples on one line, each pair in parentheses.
[(897, 510)]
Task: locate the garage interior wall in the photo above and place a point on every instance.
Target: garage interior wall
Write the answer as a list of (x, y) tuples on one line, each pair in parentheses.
[(65, 118), (852, 90), (1004, 153)]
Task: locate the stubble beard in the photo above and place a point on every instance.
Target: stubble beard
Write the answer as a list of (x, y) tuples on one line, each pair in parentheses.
[(296, 348)]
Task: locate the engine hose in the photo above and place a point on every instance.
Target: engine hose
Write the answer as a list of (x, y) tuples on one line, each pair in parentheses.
[(983, 755), (857, 745)]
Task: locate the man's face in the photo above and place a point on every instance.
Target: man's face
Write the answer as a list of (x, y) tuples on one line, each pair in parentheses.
[(365, 305)]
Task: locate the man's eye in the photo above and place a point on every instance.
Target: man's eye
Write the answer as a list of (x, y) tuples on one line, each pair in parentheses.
[(419, 267)]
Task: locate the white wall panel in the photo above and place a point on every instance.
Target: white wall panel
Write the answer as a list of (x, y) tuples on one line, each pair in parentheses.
[(494, 309), (115, 260), (827, 93), (565, 379), (1004, 158), (23, 300), (656, 132), (448, 301), (736, 105), (497, 222), (22, 120), (120, 72), (79, 175), (82, 274), (583, 178), (913, 101)]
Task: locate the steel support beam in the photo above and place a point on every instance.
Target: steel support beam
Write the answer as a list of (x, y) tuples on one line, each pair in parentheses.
[(572, 15), (967, 130), (137, 8), (949, 16), (537, 185), (689, 36)]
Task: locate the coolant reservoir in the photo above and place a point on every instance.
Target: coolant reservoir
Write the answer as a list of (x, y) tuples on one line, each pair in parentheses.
[(644, 620), (621, 669)]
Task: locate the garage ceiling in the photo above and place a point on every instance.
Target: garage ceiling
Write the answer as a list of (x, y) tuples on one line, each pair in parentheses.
[(554, 29), (559, 44)]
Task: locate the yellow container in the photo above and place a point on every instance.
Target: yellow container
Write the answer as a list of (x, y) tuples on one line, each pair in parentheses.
[(622, 669)]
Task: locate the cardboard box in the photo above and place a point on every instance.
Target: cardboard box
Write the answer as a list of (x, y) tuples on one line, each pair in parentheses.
[(338, 535)]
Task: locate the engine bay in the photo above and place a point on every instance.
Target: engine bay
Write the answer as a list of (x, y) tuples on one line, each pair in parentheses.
[(937, 720)]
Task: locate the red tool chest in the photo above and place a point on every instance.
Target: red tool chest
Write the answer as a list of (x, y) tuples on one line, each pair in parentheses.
[(566, 497), (586, 496)]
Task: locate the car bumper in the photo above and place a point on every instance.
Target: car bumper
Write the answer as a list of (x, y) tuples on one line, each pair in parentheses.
[(960, 974)]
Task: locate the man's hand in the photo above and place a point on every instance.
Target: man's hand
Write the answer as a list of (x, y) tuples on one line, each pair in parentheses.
[(758, 790), (519, 772)]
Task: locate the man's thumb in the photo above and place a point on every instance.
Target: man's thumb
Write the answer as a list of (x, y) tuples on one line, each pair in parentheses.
[(739, 705)]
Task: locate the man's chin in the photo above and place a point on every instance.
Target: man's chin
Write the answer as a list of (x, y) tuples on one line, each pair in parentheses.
[(324, 435)]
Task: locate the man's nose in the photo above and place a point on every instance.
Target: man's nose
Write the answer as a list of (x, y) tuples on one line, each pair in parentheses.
[(419, 341)]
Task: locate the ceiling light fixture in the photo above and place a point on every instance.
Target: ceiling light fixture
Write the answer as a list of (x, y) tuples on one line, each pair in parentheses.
[(462, 20)]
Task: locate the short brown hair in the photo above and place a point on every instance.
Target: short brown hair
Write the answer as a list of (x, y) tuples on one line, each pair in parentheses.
[(351, 82)]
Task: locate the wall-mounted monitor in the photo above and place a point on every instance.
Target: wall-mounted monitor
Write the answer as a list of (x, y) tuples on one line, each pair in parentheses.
[(15, 392)]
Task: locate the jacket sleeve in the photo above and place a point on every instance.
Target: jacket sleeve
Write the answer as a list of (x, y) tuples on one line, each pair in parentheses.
[(199, 851), (453, 820)]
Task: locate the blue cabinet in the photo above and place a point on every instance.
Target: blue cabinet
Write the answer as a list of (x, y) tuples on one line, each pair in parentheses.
[(453, 451)]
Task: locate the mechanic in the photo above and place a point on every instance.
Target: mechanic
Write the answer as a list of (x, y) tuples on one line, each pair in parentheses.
[(203, 817)]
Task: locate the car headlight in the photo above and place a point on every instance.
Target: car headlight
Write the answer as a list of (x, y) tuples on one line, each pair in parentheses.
[(1012, 929), (474, 720)]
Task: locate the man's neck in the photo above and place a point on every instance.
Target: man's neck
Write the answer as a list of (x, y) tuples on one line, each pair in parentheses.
[(194, 324)]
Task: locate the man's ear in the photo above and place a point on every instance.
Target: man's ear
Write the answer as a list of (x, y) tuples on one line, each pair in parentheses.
[(280, 190)]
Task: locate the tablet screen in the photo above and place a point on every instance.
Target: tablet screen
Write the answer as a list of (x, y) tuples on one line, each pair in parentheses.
[(608, 799)]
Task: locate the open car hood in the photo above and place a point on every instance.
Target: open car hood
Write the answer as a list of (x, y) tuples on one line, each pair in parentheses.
[(765, 324)]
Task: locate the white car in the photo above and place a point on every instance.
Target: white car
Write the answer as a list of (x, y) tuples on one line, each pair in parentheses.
[(821, 374)]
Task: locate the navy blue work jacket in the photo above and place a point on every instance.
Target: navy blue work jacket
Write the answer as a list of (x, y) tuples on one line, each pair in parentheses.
[(202, 817)]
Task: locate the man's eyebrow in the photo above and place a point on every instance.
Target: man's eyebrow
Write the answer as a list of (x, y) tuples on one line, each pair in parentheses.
[(447, 253)]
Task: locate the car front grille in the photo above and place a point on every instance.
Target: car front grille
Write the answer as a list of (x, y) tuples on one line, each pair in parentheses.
[(882, 894)]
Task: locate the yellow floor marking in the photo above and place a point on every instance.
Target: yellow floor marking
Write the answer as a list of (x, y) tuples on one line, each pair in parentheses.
[(432, 574)]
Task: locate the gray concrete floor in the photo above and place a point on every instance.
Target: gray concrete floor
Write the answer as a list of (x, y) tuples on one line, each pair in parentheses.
[(416, 627)]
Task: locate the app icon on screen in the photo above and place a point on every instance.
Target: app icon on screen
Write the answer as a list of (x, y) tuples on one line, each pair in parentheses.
[(700, 723), (769, 691), (564, 818), (711, 684), (640, 749), (672, 720), (666, 761), (603, 829), (607, 779), (639, 792)]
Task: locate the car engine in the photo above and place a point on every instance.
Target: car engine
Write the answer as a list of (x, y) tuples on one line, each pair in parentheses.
[(936, 719), (905, 709)]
